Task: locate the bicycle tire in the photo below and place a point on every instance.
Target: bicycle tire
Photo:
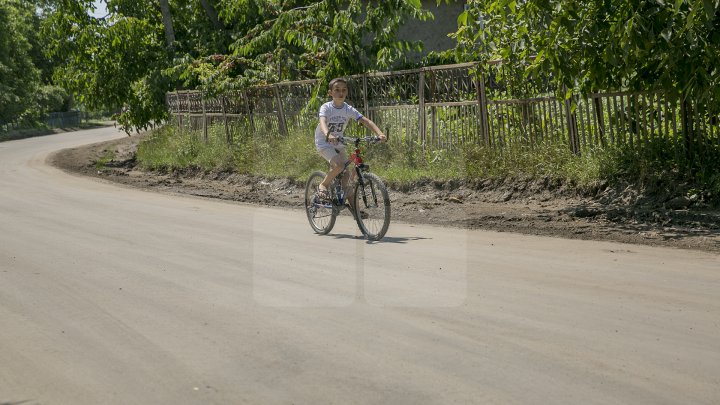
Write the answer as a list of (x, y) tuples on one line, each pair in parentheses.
[(321, 216), (372, 198)]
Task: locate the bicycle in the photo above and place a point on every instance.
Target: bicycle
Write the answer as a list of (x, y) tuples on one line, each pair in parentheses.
[(371, 201)]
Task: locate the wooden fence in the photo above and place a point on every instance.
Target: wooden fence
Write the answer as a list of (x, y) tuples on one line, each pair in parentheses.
[(450, 105)]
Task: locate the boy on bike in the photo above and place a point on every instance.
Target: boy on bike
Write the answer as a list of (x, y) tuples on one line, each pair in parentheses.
[(334, 117)]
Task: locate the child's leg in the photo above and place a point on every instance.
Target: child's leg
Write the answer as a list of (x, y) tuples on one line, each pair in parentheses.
[(348, 178), (337, 163)]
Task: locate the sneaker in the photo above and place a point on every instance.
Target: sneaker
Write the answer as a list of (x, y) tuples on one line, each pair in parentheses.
[(322, 195)]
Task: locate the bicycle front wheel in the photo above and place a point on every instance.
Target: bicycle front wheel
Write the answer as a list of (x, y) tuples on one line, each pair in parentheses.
[(372, 206), (320, 214)]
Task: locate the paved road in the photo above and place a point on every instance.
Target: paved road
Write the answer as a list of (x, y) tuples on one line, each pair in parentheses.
[(110, 295)]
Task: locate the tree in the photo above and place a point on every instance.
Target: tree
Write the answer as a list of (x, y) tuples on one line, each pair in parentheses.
[(145, 48), (665, 46), (111, 63), (603, 44), (304, 39), (167, 23), (212, 14), (19, 78), (310, 39)]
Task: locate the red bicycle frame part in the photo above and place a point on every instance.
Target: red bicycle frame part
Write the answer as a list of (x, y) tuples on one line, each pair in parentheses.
[(355, 157)]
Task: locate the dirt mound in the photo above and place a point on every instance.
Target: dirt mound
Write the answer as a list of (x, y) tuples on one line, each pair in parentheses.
[(545, 206)]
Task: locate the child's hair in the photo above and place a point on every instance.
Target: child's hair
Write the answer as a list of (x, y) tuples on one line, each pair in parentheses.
[(335, 81)]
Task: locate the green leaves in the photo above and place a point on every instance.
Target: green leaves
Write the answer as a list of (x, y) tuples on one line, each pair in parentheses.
[(19, 78), (322, 38), (710, 7), (601, 45), (121, 61), (415, 3), (463, 18)]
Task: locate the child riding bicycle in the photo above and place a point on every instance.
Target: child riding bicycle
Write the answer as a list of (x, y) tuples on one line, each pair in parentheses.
[(334, 117)]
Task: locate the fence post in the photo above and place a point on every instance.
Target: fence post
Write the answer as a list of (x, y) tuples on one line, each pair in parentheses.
[(178, 113), (599, 118), (204, 116), (572, 125), (366, 101), (249, 110), (433, 110), (421, 107), (281, 113), (482, 100), (225, 120), (167, 102), (188, 109)]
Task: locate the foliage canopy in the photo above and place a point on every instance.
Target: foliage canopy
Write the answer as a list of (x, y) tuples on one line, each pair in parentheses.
[(602, 45), (143, 49), (128, 59), (19, 78)]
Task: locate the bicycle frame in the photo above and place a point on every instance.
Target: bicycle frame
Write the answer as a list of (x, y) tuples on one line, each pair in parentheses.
[(358, 165)]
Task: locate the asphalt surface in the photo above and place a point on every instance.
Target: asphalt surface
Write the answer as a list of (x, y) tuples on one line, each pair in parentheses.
[(112, 295)]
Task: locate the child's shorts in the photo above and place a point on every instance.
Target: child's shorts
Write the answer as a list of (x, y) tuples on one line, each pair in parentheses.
[(330, 153)]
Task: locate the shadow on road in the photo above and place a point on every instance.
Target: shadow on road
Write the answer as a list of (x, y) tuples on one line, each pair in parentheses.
[(387, 239)]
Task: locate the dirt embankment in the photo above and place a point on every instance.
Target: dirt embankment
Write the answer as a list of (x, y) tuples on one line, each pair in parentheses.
[(530, 206)]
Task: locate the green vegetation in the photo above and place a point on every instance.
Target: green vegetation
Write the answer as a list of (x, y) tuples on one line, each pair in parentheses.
[(601, 45), (169, 149), (654, 167), (142, 49), (59, 54), (669, 47), (101, 163), (127, 60), (26, 90)]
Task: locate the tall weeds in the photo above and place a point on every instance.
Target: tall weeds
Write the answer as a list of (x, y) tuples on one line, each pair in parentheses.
[(658, 165)]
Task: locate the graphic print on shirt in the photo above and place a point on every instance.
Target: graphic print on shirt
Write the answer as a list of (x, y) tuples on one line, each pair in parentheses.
[(336, 127)]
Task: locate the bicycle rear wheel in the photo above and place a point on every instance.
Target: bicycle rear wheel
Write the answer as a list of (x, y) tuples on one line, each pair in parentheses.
[(372, 206), (320, 214)]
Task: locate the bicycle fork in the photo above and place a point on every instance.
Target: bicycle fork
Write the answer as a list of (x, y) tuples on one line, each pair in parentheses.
[(361, 182)]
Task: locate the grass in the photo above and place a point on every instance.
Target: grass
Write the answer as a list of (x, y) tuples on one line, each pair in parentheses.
[(659, 165), (104, 160)]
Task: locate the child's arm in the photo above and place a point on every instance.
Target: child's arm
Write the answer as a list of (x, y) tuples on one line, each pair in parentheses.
[(325, 130), (324, 127), (376, 130)]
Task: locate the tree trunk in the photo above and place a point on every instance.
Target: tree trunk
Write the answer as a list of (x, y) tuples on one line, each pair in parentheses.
[(167, 22), (212, 14)]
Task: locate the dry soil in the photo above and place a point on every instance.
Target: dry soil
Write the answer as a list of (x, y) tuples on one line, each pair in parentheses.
[(531, 206)]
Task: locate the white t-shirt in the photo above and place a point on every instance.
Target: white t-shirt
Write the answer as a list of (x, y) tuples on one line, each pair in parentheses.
[(337, 119)]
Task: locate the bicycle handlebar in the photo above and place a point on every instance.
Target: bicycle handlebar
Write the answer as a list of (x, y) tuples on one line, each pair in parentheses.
[(369, 139)]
